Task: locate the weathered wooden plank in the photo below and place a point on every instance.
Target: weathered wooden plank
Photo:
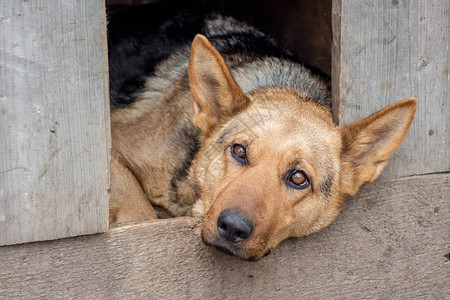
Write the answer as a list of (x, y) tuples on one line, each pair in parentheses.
[(336, 60), (391, 50), (389, 243), (53, 114)]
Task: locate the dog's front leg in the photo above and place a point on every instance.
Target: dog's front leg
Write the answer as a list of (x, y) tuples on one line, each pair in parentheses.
[(127, 199)]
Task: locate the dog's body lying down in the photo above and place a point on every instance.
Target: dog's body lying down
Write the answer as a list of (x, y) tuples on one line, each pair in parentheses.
[(234, 131)]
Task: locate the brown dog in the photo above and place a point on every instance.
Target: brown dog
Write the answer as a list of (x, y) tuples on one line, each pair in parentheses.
[(257, 156)]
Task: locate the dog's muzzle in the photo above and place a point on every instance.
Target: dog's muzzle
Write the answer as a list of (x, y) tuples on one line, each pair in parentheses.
[(233, 233), (233, 226)]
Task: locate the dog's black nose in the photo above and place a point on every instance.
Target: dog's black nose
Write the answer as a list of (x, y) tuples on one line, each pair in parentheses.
[(234, 226)]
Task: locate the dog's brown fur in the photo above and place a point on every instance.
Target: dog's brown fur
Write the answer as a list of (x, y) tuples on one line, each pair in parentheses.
[(281, 129)]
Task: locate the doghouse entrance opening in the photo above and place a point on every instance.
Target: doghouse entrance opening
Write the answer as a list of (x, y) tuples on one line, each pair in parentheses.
[(302, 27)]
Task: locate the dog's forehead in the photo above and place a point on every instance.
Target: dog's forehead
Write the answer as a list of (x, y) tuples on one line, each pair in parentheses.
[(289, 115), (277, 101), (300, 126)]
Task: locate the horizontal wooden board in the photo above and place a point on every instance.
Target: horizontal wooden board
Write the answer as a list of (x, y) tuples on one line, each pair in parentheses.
[(54, 119), (390, 242), (385, 51)]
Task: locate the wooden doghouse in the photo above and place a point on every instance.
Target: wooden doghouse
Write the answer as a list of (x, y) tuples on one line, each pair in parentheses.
[(391, 241)]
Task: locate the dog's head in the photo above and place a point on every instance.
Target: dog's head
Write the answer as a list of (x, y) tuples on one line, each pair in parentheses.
[(273, 164)]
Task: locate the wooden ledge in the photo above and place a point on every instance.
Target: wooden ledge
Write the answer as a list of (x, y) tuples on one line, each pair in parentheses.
[(389, 242)]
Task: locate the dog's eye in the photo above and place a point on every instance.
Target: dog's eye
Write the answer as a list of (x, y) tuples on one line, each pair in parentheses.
[(239, 154), (297, 179)]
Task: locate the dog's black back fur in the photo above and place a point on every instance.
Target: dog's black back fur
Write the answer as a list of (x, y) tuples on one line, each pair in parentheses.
[(140, 37)]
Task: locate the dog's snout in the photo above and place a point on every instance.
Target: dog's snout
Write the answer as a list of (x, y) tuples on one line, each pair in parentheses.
[(234, 226)]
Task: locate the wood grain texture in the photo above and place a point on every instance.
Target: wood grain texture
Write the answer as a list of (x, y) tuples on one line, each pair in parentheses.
[(53, 114), (391, 50), (389, 243), (336, 59)]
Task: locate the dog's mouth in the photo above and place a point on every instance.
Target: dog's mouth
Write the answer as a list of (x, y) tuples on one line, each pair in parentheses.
[(224, 250), (249, 258), (234, 250), (223, 247), (267, 253)]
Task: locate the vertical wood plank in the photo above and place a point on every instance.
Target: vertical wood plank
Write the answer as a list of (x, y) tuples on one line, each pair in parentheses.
[(336, 60), (388, 51), (54, 119)]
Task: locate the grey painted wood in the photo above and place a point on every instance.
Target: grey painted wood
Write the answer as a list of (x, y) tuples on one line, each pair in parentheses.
[(54, 116), (391, 50), (389, 243), (336, 59)]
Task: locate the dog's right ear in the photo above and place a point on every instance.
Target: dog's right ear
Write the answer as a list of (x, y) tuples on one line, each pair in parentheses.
[(367, 144), (216, 93)]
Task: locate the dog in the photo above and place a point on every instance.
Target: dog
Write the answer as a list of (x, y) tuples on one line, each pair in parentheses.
[(230, 128)]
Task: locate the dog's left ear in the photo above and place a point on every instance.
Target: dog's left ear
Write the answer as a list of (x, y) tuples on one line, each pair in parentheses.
[(216, 93), (368, 144)]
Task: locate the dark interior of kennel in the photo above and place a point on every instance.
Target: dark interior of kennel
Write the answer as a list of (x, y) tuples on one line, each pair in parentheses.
[(303, 27)]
